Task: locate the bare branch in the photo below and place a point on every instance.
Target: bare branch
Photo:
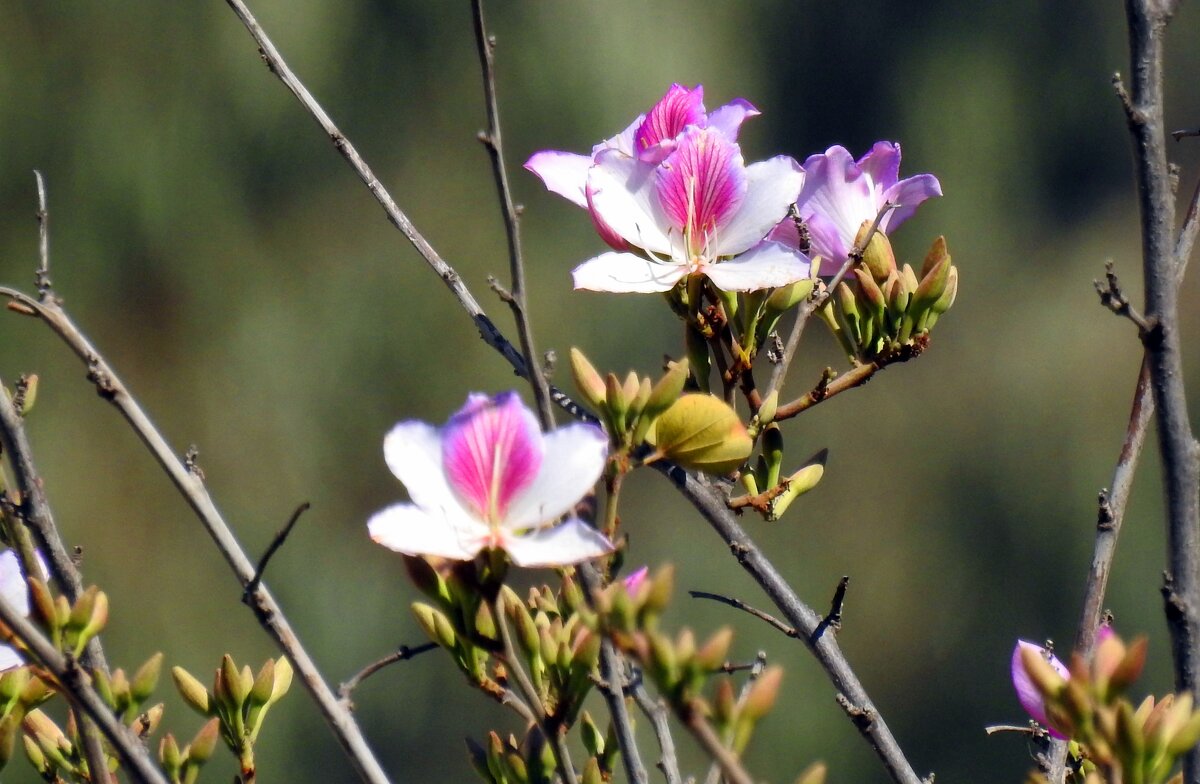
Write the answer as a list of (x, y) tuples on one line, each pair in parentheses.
[(493, 141), (1113, 298), (403, 653), (656, 712), (276, 542), (767, 618), (191, 487), (42, 278)]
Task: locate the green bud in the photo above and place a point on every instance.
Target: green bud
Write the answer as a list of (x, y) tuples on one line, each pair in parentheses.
[(639, 405), (787, 297), (29, 396), (283, 679), (104, 687), (761, 697), (668, 389), (169, 754), (591, 772), (9, 729), (766, 411), (12, 683), (618, 404), (931, 287), (947, 299), (702, 432), (870, 295), (587, 380), (698, 357), (145, 680), (34, 752), (662, 585), (663, 663), (42, 602), (725, 702), (192, 691), (593, 738), (813, 774), (772, 453), (264, 684), (878, 256), (799, 483), (937, 254), (485, 622), (712, 654), (749, 481)]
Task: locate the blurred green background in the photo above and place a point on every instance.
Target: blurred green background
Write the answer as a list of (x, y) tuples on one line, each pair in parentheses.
[(209, 239)]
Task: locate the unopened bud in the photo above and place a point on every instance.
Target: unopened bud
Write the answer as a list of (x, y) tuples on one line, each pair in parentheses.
[(587, 380), (192, 691)]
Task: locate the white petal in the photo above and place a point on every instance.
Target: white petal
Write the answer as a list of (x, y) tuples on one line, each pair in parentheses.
[(624, 272), (621, 191), (413, 531), (13, 587), (564, 173), (9, 658), (569, 543), (766, 265), (574, 460), (771, 188), (413, 450)]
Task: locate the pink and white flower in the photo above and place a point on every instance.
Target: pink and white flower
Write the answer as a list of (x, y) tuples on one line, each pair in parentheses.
[(700, 211), (840, 193), (15, 592), (650, 138), (490, 479), (1027, 693)]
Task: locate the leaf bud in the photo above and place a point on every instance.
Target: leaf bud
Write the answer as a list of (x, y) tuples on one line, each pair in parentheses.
[(618, 405), (169, 754), (593, 738), (668, 389), (878, 256), (145, 680), (761, 697), (591, 772), (702, 432), (712, 654)]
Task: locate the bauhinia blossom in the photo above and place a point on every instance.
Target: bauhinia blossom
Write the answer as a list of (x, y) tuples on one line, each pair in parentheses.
[(650, 137), (15, 591), (1027, 693), (701, 211), (491, 479), (840, 193)]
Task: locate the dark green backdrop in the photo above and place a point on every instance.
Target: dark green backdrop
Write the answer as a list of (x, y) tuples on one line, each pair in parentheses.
[(211, 241)]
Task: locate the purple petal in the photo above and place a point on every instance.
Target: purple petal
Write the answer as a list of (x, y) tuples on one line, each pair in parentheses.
[(766, 265), (621, 192), (1028, 694), (635, 580), (882, 165), (574, 459), (625, 273), (771, 187), (907, 195), (491, 451), (569, 543), (728, 119), (676, 110), (826, 240), (412, 530), (701, 185), (836, 190), (564, 173)]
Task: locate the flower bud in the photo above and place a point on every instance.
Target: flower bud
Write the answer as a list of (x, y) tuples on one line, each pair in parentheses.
[(761, 697), (591, 772), (145, 680), (201, 747), (668, 389), (878, 256), (712, 654), (587, 380), (169, 754), (192, 691)]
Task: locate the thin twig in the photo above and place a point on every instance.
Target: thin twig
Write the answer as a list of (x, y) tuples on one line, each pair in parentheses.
[(1147, 20), (191, 487), (712, 506), (1191, 227), (656, 711), (403, 653), (815, 302), (42, 278), (77, 686), (276, 542), (1113, 298), (703, 732), (767, 618), (1184, 133), (834, 619), (493, 141)]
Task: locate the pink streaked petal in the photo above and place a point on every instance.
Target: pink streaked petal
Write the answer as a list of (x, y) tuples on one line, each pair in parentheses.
[(569, 543), (728, 119), (621, 192), (621, 273), (491, 451), (564, 173), (907, 195), (676, 110), (766, 265), (701, 184), (771, 187), (412, 530), (574, 459), (607, 233), (1028, 694), (882, 165), (413, 451)]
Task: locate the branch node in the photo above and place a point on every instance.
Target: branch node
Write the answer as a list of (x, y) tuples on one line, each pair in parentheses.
[(1132, 115), (863, 718), (1113, 298), (103, 382), (191, 462), (1185, 132), (504, 294), (1105, 520)]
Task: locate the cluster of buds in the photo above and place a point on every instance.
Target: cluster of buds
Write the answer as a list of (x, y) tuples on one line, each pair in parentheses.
[(238, 702), (884, 313), (69, 626), (769, 492), (531, 761), (680, 667), (695, 430), (20, 693), (1118, 742)]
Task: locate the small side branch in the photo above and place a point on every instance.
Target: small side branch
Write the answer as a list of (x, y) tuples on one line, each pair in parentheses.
[(767, 618), (1113, 298), (493, 142), (276, 542), (42, 278), (403, 653), (656, 711)]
